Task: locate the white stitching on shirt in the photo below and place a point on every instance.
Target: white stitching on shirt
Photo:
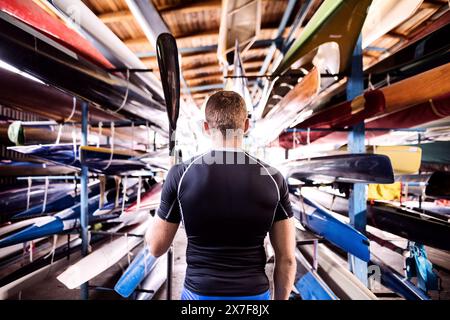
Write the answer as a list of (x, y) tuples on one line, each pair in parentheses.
[(276, 186), (181, 180)]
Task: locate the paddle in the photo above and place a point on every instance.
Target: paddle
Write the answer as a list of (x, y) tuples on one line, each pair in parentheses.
[(169, 69), (167, 55)]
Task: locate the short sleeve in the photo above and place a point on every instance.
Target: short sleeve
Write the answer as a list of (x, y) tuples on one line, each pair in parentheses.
[(169, 209), (284, 208)]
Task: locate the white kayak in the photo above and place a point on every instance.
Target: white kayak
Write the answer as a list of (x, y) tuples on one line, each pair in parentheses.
[(102, 258), (385, 15)]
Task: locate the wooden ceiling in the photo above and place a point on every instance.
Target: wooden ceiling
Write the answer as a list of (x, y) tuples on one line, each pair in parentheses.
[(195, 23)]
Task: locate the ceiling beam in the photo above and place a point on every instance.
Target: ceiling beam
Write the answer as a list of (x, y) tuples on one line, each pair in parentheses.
[(117, 16), (192, 7)]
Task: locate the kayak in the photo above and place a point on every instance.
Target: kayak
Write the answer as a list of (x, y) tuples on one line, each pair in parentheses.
[(280, 116), (326, 25), (385, 15), (66, 200), (308, 283), (323, 223), (62, 221), (60, 67), (107, 42), (46, 101), (240, 21), (239, 82), (397, 116), (406, 223), (351, 168), (102, 258), (13, 201), (33, 15), (344, 284)]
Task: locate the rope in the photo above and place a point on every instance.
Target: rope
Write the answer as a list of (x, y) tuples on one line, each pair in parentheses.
[(118, 181), (74, 106), (74, 143), (30, 182), (132, 135), (126, 92), (308, 142), (100, 126), (128, 249), (58, 137), (44, 205), (124, 193), (111, 147), (371, 87), (436, 112), (139, 193)]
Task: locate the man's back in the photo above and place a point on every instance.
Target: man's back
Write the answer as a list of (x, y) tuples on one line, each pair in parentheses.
[(228, 201)]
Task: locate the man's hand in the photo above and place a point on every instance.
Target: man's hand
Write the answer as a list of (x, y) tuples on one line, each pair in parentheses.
[(160, 235), (282, 238)]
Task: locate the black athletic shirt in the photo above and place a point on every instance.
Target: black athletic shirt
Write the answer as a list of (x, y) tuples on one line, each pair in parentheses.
[(228, 201)]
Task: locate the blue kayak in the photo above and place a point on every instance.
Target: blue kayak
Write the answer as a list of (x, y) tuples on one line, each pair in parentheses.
[(60, 222), (323, 223)]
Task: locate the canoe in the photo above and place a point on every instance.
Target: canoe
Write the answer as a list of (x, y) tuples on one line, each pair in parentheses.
[(37, 271), (14, 200), (240, 21), (149, 201), (308, 283), (435, 185), (141, 266), (239, 83), (344, 284), (44, 100), (351, 168), (65, 201), (406, 223), (385, 15), (154, 280), (33, 15), (326, 26), (28, 169), (418, 56), (432, 109), (102, 258), (322, 222), (106, 41), (62, 221), (278, 118), (110, 162), (60, 67)]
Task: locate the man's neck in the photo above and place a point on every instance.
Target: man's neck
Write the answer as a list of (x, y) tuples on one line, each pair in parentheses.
[(219, 144)]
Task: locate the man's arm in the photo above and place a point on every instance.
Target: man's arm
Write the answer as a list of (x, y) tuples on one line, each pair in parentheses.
[(160, 236), (282, 238)]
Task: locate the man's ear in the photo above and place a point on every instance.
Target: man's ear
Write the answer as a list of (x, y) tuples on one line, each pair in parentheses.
[(246, 125), (206, 127)]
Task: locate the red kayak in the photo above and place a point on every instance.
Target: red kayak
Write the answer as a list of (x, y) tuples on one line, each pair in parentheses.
[(33, 15), (419, 114)]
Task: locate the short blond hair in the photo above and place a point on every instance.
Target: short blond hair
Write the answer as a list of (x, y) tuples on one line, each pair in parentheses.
[(225, 110)]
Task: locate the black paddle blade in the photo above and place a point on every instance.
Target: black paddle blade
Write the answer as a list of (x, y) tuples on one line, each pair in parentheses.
[(169, 69)]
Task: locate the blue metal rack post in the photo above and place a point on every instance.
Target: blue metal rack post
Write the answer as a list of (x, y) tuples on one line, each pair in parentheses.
[(84, 195), (357, 204)]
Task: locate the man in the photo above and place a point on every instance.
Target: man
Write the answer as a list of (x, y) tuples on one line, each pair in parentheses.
[(228, 202)]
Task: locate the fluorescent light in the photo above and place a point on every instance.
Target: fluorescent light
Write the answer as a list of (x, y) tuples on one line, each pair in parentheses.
[(11, 68)]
